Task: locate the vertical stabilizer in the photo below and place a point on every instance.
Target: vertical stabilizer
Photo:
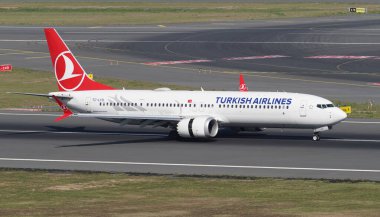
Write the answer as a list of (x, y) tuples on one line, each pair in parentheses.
[(69, 73), (242, 87)]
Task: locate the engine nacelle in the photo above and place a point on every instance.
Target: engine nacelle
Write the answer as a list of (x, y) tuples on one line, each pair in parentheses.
[(199, 127)]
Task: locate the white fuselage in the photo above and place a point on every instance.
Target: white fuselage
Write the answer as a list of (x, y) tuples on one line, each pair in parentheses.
[(229, 108)]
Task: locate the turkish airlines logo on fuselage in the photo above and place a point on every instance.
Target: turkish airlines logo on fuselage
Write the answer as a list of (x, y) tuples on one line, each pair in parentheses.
[(68, 72)]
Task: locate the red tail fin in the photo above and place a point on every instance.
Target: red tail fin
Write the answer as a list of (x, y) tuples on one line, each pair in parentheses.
[(69, 73), (242, 87)]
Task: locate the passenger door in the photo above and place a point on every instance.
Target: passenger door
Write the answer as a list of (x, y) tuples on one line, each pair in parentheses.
[(303, 106), (88, 104)]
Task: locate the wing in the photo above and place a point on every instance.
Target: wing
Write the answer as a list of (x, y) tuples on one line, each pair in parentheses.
[(155, 121)]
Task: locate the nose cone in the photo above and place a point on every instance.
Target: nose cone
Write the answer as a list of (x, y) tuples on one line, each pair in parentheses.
[(340, 115)]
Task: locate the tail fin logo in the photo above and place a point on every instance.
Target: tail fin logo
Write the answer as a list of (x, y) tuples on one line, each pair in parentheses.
[(69, 74), (243, 87)]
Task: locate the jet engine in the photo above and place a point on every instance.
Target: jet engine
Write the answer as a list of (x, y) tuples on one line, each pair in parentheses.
[(199, 127)]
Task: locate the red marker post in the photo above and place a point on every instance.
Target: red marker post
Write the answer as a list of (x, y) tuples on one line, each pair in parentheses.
[(6, 68)]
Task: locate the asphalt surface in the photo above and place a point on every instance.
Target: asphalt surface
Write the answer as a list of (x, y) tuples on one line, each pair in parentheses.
[(124, 51), (350, 151)]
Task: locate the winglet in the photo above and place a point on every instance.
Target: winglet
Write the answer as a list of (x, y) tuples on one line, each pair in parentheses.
[(242, 87), (66, 111)]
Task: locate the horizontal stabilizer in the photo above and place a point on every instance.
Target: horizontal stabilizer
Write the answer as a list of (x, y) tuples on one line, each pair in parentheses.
[(40, 95), (66, 111)]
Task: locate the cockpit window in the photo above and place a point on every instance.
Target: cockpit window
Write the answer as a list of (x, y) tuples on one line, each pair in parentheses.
[(323, 106)]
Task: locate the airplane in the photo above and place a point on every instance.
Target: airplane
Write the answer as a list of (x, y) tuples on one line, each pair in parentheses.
[(190, 114)]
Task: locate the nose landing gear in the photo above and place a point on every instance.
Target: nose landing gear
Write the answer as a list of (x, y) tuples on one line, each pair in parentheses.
[(316, 136)]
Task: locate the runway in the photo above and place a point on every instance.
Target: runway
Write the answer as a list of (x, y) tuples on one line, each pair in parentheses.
[(33, 140), (335, 57)]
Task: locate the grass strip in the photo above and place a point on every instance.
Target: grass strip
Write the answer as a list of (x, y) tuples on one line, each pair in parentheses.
[(41, 193), (124, 13)]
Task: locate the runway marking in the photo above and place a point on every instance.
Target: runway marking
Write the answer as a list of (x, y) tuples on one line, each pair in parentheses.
[(362, 122), (354, 140), (254, 57), (227, 72), (89, 133), (190, 165), (5, 54), (176, 62), (203, 61), (41, 57), (340, 57), (376, 83)]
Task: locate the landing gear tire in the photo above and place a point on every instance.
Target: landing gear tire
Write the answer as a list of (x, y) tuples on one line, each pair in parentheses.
[(173, 134), (316, 137)]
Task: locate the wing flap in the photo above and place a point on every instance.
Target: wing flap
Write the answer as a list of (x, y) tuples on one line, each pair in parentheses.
[(132, 117)]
